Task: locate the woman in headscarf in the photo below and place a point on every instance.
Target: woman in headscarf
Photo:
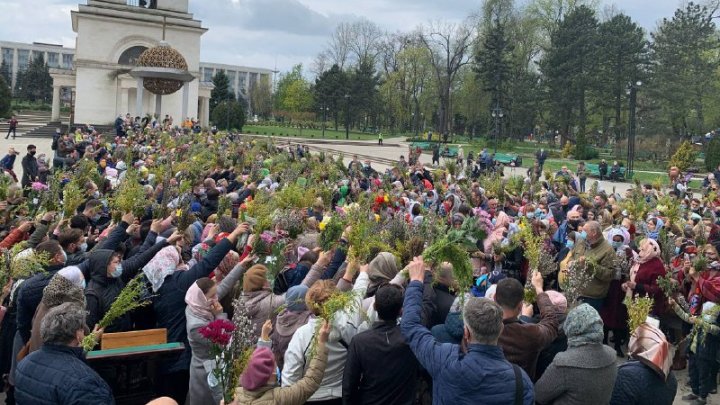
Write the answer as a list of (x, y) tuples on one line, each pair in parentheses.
[(647, 379), (644, 275), (585, 373), (500, 226), (294, 316), (382, 270), (65, 286), (614, 313)]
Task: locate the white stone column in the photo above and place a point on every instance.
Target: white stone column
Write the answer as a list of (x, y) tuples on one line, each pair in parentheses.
[(139, 98), (55, 116), (158, 106), (205, 112), (124, 107), (185, 98)]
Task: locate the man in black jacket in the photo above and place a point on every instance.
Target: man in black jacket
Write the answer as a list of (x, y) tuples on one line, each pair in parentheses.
[(380, 367), (30, 167)]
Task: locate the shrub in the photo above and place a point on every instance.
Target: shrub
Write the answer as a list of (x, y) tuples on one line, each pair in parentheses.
[(684, 157), (712, 154), (568, 150)]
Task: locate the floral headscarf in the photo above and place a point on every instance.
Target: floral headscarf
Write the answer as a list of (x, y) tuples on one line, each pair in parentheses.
[(650, 346), (583, 326), (165, 262), (649, 249)]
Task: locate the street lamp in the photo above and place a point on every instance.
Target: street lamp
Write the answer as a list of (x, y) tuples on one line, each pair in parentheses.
[(347, 116), (325, 110), (497, 114), (633, 89)]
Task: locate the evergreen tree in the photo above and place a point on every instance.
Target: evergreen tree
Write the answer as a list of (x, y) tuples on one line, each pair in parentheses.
[(712, 154), (5, 98), (6, 73), (330, 89), (493, 60), (222, 90), (35, 83), (364, 83), (229, 114), (569, 67)]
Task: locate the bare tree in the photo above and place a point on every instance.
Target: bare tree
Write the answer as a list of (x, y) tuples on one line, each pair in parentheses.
[(321, 63), (339, 47), (449, 46), (365, 41)]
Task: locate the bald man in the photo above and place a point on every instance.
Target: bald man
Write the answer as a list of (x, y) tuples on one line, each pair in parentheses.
[(599, 257)]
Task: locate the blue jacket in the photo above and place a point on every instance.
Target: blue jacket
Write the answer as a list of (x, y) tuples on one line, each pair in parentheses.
[(480, 376), (7, 162), (57, 375), (637, 384)]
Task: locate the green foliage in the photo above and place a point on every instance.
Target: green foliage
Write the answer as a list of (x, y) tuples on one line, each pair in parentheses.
[(445, 250), (712, 154), (221, 92), (73, 197), (638, 310), (684, 157), (568, 150), (35, 83), (331, 232), (129, 196), (5, 97), (228, 114)]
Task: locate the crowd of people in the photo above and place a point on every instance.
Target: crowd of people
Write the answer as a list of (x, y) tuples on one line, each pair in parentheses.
[(415, 332)]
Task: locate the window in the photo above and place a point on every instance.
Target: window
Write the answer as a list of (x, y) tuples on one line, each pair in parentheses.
[(231, 78), (8, 56), (53, 59), (23, 59), (242, 81), (67, 61), (208, 75), (130, 55)]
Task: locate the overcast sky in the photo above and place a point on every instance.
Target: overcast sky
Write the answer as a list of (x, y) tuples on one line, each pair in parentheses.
[(269, 33)]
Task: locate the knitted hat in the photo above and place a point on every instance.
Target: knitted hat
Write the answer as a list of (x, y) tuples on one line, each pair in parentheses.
[(255, 278), (583, 326), (295, 298), (259, 369)]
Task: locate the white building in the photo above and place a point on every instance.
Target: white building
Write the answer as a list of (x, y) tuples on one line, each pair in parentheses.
[(111, 35)]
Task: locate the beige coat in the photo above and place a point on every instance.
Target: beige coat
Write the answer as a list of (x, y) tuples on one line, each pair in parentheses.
[(296, 394)]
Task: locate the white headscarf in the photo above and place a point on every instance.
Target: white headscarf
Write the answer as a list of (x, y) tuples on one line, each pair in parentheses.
[(74, 275)]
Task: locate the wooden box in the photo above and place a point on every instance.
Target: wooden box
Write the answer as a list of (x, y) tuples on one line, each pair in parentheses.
[(135, 338)]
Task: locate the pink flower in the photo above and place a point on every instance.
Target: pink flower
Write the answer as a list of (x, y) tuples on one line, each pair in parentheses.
[(218, 331), (37, 186)]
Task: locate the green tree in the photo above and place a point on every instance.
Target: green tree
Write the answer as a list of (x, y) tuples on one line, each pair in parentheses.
[(6, 73), (622, 53), (684, 60), (221, 91), (260, 95), (5, 98), (493, 59), (684, 157), (284, 82), (229, 114), (298, 97), (329, 91), (35, 83), (712, 154), (364, 83), (569, 67)]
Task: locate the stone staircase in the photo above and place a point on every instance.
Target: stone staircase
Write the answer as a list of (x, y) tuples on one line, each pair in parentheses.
[(30, 121)]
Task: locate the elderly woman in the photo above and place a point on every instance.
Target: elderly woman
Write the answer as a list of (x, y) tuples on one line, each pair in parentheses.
[(613, 312), (585, 373), (644, 275), (647, 379), (295, 315)]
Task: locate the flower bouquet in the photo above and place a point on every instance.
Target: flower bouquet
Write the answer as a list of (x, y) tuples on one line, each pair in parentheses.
[(219, 333)]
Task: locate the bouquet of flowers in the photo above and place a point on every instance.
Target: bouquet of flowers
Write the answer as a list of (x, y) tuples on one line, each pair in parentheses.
[(219, 333), (638, 310)]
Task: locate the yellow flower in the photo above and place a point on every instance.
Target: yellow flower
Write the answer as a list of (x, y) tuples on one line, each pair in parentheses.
[(321, 226), (377, 218), (387, 199)]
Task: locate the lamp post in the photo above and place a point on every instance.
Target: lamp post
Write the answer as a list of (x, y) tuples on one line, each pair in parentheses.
[(497, 114), (633, 89), (325, 110), (347, 116)]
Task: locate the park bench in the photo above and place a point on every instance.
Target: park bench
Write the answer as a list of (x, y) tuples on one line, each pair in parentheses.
[(508, 159), (593, 170)]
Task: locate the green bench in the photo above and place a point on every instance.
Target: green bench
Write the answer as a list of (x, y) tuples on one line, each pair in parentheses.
[(449, 152), (507, 159), (593, 170)]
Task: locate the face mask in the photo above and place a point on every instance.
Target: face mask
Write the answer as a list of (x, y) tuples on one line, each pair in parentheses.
[(32, 153), (83, 247), (570, 244), (64, 257), (96, 194), (494, 221), (118, 271), (531, 215), (677, 250), (574, 223), (583, 235), (616, 245), (84, 284)]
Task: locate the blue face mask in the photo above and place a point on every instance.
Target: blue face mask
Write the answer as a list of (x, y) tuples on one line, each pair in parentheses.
[(570, 244), (494, 221), (539, 214), (677, 250), (118, 271), (583, 235), (617, 245), (531, 215), (83, 247)]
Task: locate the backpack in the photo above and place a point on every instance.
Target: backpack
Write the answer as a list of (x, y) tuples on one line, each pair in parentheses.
[(282, 281)]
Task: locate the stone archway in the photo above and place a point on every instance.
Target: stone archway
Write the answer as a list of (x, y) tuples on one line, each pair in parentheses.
[(130, 55)]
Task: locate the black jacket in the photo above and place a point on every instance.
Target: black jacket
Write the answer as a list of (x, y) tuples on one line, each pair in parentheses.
[(30, 170), (58, 375), (30, 294), (169, 304), (437, 300), (380, 368)]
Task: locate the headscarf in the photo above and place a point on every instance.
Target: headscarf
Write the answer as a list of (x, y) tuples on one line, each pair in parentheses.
[(381, 270), (162, 265), (74, 275), (557, 299), (649, 249), (501, 224), (583, 326), (295, 298), (61, 290), (198, 303), (619, 231), (649, 346)]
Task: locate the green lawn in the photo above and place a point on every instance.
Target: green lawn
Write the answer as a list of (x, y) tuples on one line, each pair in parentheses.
[(314, 133)]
